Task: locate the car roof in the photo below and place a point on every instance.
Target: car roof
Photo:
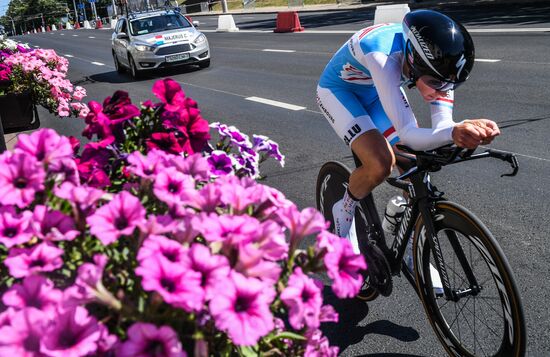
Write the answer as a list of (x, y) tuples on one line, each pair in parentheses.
[(144, 14)]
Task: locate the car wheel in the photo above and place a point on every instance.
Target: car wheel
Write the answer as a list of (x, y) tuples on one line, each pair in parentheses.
[(136, 73), (205, 63), (118, 66)]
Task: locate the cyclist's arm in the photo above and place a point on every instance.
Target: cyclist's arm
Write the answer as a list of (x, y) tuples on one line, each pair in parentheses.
[(386, 75)]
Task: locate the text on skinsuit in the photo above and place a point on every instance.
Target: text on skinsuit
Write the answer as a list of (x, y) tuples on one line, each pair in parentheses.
[(354, 130), (325, 111)]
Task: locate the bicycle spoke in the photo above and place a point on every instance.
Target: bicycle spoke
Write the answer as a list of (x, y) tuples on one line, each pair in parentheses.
[(484, 323), (475, 337), (492, 308)]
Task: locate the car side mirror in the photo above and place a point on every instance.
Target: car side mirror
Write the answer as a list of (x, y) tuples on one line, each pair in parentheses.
[(196, 23), (122, 36)]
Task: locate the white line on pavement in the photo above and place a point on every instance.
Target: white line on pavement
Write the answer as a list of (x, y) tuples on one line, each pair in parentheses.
[(476, 30), (98, 63), (75, 35), (62, 34), (70, 56), (275, 103), (487, 60), (272, 50), (91, 36)]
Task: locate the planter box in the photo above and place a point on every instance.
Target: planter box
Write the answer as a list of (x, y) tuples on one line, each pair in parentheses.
[(18, 113)]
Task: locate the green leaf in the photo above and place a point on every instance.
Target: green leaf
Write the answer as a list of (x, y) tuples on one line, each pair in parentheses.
[(288, 335), (248, 351)]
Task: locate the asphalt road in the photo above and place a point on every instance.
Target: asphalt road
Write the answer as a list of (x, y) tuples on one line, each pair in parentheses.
[(512, 91)]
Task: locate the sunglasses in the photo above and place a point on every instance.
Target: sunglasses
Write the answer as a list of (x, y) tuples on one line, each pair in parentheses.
[(439, 85)]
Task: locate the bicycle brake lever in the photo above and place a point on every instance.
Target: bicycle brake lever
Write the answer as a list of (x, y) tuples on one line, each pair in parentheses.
[(513, 160), (508, 157)]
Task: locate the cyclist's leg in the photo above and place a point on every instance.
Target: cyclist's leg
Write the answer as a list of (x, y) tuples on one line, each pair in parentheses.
[(351, 121)]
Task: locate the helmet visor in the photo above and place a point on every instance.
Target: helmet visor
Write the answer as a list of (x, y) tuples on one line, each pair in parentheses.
[(438, 84)]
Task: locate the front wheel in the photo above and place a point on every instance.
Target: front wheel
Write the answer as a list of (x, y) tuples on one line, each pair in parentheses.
[(484, 315), (134, 71)]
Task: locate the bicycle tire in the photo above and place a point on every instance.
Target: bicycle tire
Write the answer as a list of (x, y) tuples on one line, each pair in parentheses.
[(331, 185), (455, 223)]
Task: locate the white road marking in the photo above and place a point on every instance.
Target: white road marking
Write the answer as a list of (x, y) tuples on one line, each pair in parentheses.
[(487, 60), (75, 35), (524, 29), (98, 63), (272, 50), (91, 37), (476, 30), (70, 56), (275, 103), (62, 34)]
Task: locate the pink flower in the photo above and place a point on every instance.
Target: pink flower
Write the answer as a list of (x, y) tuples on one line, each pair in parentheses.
[(173, 187), (117, 218), (21, 177), (194, 165), (147, 340), (240, 307), (146, 166), (162, 248), (226, 228), (89, 287), (83, 198), (14, 228), (79, 93), (251, 263), (272, 241), (43, 257), (303, 298), (318, 346), (52, 225), (35, 291), (343, 265), (45, 145), (22, 338), (97, 122), (302, 224), (73, 333), (170, 93), (178, 286), (166, 142), (212, 267)]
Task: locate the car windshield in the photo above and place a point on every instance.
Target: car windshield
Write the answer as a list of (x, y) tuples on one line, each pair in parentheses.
[(158, 24)]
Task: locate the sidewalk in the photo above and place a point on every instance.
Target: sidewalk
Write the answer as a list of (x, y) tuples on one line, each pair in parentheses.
[(373, 4)]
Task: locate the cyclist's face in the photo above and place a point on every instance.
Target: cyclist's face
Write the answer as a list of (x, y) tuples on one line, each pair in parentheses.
[(428, 88)]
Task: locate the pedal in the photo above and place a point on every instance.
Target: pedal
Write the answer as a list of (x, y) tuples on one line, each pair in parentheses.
[(378, 269)]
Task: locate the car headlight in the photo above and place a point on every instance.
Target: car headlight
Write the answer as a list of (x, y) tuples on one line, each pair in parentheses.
[(200, 39), (144, 48)]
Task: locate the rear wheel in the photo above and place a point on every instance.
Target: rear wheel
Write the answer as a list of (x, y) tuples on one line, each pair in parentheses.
[(332, 183), (482, 319)]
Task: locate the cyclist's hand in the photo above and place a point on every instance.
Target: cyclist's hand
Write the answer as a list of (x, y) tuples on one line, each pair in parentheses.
[(471, 133)]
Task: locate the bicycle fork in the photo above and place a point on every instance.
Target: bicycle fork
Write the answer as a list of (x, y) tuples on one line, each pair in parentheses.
[(428, 217)]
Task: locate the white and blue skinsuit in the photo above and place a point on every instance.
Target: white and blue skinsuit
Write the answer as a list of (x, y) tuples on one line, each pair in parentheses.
[(360, 90)]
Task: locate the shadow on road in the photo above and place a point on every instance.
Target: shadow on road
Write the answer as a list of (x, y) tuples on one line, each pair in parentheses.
[(348, 331), (115, 77)]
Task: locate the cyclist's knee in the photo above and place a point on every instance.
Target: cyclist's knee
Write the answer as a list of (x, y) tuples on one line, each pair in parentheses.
[(379, 168)]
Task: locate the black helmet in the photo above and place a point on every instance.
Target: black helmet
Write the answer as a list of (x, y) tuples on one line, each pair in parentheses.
[(439, 47)]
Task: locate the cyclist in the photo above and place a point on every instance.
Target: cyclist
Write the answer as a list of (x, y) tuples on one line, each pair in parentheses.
[(360, 93)]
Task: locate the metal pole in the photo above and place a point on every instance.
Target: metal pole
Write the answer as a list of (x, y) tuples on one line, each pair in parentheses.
[(114, 9), (224, 6), (75, 12)]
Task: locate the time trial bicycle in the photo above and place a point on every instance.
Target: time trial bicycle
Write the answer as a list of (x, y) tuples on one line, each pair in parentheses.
[(479, 312)]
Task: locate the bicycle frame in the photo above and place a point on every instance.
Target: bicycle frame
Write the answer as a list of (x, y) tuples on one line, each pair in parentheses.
[(422, 198)]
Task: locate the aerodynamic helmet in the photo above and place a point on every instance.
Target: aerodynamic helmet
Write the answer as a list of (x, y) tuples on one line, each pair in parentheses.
[(439, 47)]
